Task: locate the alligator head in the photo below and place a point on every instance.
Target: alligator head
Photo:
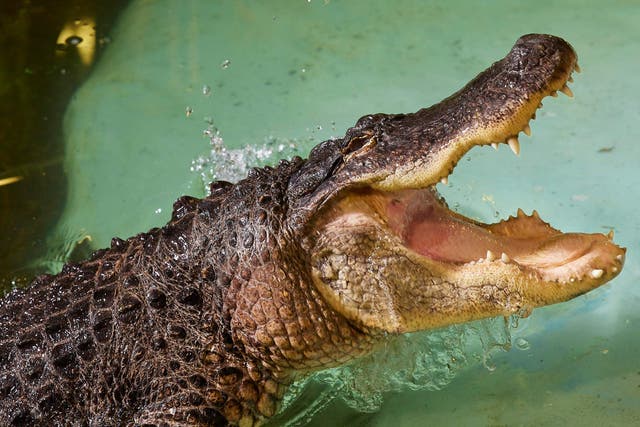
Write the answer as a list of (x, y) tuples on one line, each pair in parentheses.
[(388, 253)]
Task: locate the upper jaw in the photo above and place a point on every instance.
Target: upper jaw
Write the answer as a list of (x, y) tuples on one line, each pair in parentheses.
[(392, 152), (403, 151)]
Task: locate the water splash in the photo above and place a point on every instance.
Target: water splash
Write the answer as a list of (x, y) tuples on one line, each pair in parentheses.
[(418, 361), (227, 164)]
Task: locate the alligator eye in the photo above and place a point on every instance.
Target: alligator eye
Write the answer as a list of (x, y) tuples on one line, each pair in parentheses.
[(359, 144)]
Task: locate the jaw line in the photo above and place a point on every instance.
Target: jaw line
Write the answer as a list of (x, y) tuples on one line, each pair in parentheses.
[(540, 251), (506, 130)]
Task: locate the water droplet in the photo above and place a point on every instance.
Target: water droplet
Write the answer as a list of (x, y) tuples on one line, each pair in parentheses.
[(188, 111), (522, 344), (158, 211), (225, 64), (525, 312), (488, 364), (206, 90), (515, 321)]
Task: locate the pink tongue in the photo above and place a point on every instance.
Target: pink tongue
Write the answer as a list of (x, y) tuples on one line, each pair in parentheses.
[(448, 239), (432, 230)]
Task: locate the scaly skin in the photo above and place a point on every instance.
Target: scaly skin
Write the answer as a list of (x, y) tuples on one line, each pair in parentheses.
[(301, 267)]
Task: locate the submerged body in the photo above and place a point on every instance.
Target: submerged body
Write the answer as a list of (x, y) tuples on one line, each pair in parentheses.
[(296, 268)]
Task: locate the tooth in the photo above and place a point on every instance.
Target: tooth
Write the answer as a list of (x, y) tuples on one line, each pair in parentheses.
[(533, 116), (570, 79), (535, 214), (505, 258), (554, 94), (541, 105), (610, 235), (565, 89), (614, 269), (445, 180), (577, 68), (514, 144), (619, 257), (527, 130), (494, 145), (490, 256), (520, 212), (597, 273)]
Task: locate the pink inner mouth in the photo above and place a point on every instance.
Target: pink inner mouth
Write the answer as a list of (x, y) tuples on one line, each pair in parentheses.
[(429, 228)]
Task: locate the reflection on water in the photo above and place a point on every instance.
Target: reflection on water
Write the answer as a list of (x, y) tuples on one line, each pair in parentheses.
[(47, 51)]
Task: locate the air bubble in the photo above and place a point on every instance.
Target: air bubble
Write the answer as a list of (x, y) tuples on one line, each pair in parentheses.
[(488, 364), (522, 344), (225, 64), (188, 111), (206, 90)]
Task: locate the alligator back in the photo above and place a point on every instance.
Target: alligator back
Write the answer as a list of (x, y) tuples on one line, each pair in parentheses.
[(83, 345), (139, 333)]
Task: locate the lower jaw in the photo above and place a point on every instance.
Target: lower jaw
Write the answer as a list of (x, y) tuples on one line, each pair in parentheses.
[(430, 229)]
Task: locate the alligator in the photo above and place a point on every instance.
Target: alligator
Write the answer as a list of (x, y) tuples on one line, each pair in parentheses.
[(299, 267)]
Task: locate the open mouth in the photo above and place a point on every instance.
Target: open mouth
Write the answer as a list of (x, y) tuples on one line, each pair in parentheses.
[(420, 222), (389, 254), (423, 224)]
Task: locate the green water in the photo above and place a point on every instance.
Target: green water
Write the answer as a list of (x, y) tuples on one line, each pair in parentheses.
[(306, 70)]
